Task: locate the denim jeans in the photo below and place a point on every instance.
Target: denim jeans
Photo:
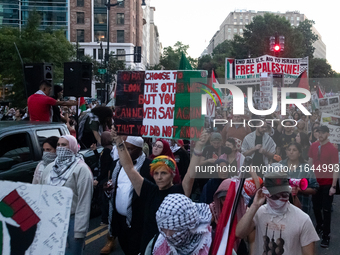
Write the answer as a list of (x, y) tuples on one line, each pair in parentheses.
[(322, 204), (74, 246)]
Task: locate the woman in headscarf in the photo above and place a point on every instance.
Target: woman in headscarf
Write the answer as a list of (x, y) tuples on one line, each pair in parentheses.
[(69, 170), (162, 147), (49, 155), (184, 227), (162, 169)]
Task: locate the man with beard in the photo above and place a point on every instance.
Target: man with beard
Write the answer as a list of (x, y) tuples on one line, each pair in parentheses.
[(280, 227), (126, 208), (259, 145)]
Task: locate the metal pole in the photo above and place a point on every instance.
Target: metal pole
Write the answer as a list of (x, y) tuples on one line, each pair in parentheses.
[(107, 52)]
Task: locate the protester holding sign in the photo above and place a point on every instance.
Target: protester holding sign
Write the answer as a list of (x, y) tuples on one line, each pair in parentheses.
[(163, 171), (70, 171)]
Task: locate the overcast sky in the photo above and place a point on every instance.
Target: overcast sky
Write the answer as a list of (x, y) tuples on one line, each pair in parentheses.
[(194, 22)]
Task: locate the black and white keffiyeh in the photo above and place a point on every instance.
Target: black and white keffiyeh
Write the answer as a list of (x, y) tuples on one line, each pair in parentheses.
[(63, 166), (48, 158), (137, 165), (191, 222)]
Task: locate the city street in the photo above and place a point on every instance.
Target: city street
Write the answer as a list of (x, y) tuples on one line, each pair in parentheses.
[(96, 237)]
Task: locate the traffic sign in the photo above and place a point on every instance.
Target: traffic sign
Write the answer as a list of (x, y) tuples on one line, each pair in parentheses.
[(102, 71)]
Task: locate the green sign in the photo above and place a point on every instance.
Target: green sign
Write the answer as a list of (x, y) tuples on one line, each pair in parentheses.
[(102, 71)]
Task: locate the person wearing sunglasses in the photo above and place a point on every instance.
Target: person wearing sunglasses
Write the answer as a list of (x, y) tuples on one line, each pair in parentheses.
[(280, 227), (324, 156)]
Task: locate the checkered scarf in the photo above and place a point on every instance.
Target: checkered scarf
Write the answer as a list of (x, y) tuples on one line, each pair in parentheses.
[(191, 221), (63, 166)]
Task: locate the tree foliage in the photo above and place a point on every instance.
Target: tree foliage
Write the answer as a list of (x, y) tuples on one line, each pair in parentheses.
[(171, 56), (35, 46)]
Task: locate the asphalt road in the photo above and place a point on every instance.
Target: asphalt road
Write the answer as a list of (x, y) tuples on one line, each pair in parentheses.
[(96, 237)]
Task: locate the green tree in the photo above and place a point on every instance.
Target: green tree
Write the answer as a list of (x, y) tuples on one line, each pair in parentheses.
[(309, 37), (35, 46), (172, 55)]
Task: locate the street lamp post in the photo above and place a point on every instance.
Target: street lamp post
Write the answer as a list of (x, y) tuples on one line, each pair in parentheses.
[(107, 55)]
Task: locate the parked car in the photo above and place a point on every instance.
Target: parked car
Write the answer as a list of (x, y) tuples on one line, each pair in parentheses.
[(21, 148)]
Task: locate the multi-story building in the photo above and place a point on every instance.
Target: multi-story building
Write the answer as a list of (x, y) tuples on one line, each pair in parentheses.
[(235, 23), (88, 27), (151, 44), (54, 13)]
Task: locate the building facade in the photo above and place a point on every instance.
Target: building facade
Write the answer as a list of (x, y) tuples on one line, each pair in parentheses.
[(88, 27), (151, 44), (235, 24), (54, 13)]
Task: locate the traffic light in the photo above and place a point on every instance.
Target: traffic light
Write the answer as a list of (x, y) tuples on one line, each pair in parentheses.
[(137, 57), (282, 42), (77, 79), (271, 43), (277, 48)]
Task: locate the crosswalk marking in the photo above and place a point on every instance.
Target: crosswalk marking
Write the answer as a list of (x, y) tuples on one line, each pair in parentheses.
[(95, 230), (96, 237)]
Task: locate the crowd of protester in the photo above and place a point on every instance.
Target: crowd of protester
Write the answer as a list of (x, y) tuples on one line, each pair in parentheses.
[(153, 202)]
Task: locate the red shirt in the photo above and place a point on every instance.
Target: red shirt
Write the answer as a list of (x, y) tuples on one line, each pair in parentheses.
[(39, 107), (323, 157)]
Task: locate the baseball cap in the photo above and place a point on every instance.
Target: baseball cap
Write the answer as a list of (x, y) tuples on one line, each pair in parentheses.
[(276, 182), (323, 129), (215, 137)]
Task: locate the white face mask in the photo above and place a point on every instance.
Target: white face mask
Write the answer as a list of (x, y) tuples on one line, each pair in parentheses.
[(278, 206)]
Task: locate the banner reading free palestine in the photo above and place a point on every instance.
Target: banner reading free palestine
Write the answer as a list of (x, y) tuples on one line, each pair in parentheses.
[(162, 103)]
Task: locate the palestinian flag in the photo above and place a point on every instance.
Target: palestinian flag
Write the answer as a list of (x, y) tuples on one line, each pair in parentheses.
[(161, 103), (300, 82), (320, 94), (82, 106), (184, 63), (215, 81)]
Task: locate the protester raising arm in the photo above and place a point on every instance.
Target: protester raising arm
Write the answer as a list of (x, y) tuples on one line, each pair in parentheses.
[(246, 225), (189, 177), (126, 162)]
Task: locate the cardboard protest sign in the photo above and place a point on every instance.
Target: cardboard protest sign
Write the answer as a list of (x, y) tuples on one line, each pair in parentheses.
[(333, 123), (251, 68), (329, 105), (34, 219), (158, 103)]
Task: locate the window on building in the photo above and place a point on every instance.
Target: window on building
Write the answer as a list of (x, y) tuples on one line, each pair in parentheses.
[(291, 18), (81, 53), (229, 37), (120, 18), (247, 21), (121, 52), (94, 53), (122, 4), (229, 30), (99, 36), (80, 18), (80, 3), (235, 30), (287, 18), (241, 31), (80, 35), (100, 18), (241, 20), (99, 3), (298, 18), (120, 36), (100, 54)]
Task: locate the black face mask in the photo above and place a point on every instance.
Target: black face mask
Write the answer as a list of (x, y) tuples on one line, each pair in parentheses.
[(227, 150)]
